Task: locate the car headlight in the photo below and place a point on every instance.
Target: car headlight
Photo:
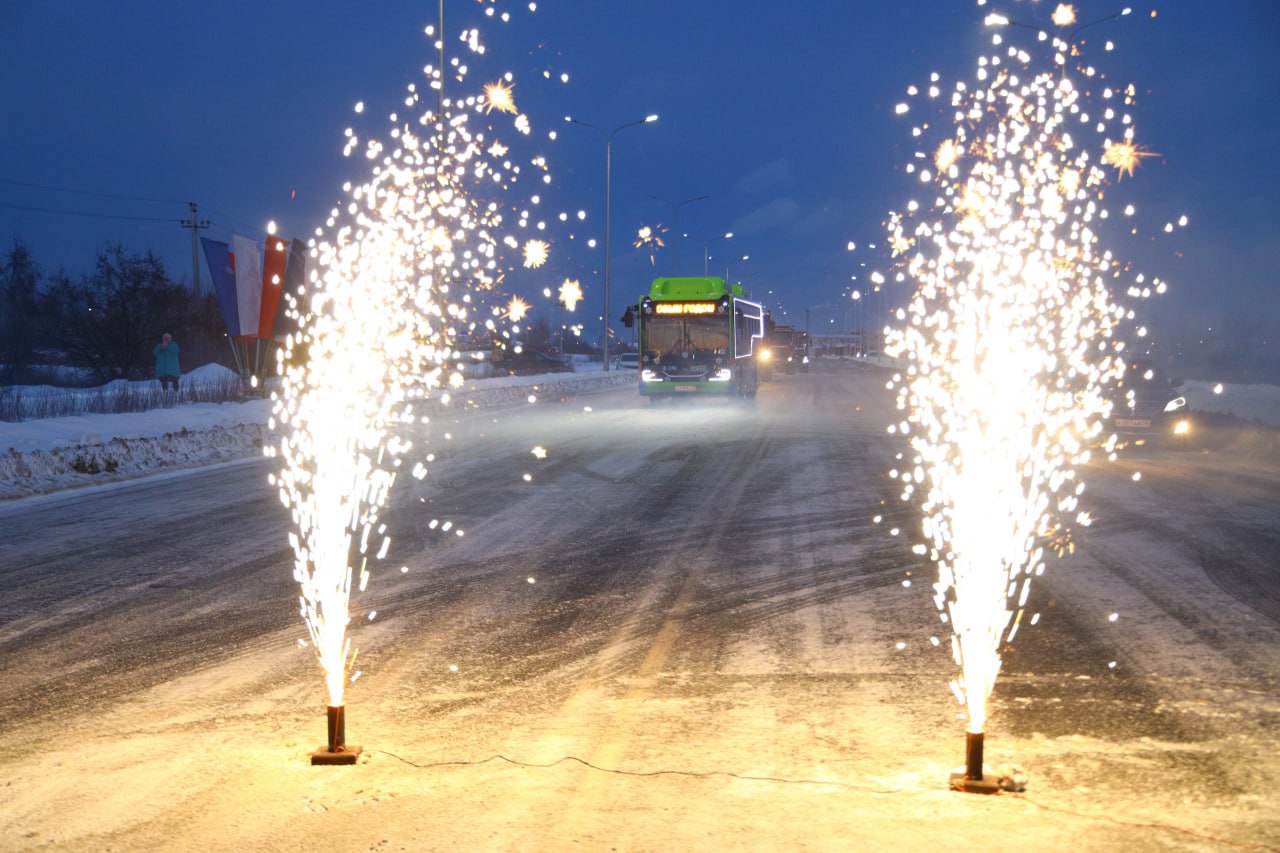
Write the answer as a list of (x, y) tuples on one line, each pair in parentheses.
[(1183, 427), (1175, 404)]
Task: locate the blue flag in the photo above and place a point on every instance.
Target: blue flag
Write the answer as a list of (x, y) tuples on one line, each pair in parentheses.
[(223, 269)]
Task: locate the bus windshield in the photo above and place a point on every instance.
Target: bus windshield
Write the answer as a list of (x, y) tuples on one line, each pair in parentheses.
[(684, 340)]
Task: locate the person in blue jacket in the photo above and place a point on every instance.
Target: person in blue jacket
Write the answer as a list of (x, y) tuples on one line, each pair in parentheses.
[(167, 370)]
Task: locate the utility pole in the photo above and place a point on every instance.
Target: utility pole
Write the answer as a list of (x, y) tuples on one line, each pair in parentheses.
[(196, 225)]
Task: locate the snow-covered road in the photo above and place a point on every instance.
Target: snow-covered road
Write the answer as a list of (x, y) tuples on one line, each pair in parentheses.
[(684, 631)]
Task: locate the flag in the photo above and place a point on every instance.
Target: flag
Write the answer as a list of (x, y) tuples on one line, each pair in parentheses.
[(222, 268), (273, 268), (248, 262), (295, 276)]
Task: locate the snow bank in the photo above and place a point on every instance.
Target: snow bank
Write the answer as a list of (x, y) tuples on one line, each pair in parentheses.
[(59, 453)]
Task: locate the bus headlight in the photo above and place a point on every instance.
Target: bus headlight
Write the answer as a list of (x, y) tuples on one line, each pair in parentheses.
[(722, 375), (648, 375), (765, 355)]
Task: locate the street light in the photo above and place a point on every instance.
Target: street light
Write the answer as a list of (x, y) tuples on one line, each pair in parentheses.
[(675, 223), (608, 213), (706, 249)]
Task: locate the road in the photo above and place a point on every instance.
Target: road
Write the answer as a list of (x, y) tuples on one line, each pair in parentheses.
[(692, 626)]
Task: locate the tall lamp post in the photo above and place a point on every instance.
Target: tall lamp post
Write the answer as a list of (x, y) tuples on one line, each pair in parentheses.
[(675, 223), (608, 212), (706, 249)]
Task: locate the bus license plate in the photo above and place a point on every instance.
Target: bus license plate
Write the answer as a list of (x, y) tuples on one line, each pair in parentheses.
[(686, 387)]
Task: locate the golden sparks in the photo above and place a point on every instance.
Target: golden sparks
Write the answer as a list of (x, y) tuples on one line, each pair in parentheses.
[(1009, 342), (397, 266), (1125, 156), (1064, 15), (536, 253), (650, 236), (500, 96), (946, 155), (517, 308), (570, 293)]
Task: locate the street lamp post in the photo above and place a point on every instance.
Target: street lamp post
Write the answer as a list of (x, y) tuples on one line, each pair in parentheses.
[(608, 212), (726, 267), (706, 250), (675, 224)]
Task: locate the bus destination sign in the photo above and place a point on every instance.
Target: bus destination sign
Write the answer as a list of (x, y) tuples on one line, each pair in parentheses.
[(684, 307)]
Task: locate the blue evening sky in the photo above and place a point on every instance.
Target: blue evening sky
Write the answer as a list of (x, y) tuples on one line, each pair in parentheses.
[(782, 113)]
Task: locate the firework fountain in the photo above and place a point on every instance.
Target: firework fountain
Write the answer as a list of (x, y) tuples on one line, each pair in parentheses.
[(399, 275), (1012, 334)]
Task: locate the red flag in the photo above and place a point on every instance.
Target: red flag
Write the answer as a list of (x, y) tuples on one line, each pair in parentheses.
[(272, 284)]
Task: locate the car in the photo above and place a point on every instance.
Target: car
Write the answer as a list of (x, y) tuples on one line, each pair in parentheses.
[(1146, 406), (627, 361)]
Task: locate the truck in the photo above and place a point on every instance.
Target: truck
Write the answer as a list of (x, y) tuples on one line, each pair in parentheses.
[(697, 337), (789, 348)]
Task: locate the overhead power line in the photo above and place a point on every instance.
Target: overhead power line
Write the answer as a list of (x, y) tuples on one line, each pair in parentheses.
[(87, 213), (89, 192)]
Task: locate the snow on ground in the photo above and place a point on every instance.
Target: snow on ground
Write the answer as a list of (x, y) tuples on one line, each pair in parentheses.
[(49, 454)]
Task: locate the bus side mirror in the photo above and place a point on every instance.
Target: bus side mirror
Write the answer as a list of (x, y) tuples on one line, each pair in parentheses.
[(629, 317)]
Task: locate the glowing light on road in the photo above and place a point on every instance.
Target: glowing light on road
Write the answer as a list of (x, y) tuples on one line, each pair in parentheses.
[(397, 277), (1010, 339)]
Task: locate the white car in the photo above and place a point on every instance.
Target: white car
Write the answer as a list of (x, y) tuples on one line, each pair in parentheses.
[(627, 361)]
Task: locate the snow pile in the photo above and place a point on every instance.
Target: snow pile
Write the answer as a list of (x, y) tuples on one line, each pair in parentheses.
[(46, 455)]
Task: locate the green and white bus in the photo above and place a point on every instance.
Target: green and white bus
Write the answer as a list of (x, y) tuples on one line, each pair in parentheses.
[(697, 336)]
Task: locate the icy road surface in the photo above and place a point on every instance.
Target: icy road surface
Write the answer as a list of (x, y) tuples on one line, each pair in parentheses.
[(684, 631)]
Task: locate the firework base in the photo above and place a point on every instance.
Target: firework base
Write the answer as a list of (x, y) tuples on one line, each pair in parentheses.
[(961, 782), (341, 755)]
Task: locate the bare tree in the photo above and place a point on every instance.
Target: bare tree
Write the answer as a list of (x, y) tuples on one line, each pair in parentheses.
[(19, 306)]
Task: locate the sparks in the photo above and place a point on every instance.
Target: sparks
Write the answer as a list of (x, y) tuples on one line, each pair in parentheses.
[(570, 293), (535, 253), (947, 154), (1064, 15), (1125, 156), (399, 268), (650, 236), (1010, 340), (517, 308), (499, 96)]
